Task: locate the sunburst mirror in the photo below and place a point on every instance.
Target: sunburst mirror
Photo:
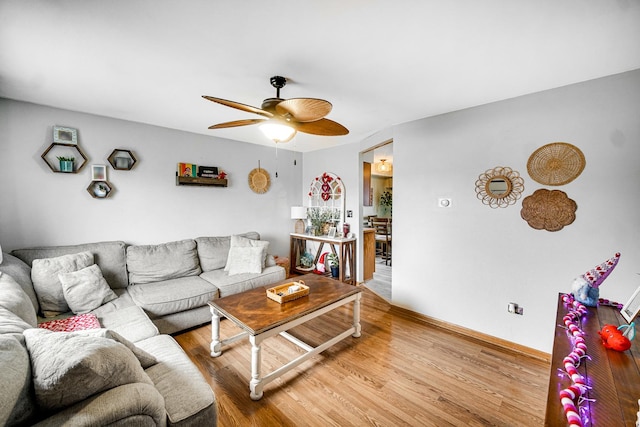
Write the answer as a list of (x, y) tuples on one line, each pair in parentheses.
[(499, 187)]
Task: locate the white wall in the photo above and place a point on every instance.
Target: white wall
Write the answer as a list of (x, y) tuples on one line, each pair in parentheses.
[(39, 207), (464, 264)]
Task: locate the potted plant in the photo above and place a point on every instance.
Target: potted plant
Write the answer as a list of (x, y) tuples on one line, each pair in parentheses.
[(66, 163), (319, 216), (334, 264), (306, 261), (100, 190), (386, 202)]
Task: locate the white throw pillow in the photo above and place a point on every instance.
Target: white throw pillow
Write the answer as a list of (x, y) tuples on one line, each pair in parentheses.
[(245, 260), (243, 242), (86, 289), (44, 275), (68, 367)]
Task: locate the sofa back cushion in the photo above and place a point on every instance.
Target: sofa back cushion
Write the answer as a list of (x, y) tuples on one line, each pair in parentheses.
[(110, 257), (17, 404), (155, 263), (21, 273), (14, 300), (213, 251)]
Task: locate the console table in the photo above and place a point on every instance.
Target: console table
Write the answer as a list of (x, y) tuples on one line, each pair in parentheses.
[(344, 247), (614, 376)]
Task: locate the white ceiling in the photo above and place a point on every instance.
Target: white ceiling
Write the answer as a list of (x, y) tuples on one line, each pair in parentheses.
[(379, 62)]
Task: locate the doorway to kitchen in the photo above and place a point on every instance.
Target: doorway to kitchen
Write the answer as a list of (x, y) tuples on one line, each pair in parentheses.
[(377, 218)]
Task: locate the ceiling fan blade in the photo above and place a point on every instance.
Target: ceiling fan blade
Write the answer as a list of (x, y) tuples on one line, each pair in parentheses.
[(324, 127), (239, 106), (237, 123), (304, 109)]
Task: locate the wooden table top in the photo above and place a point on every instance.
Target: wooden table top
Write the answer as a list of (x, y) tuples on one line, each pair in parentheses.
[(254, 312), (614, 376)]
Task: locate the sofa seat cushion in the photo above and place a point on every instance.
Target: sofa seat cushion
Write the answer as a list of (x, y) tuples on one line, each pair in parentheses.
[(16, 403), (229, 285), (110, 256), (187, 396), (69, 366), (130, 322), (155, 263), (172, 296)]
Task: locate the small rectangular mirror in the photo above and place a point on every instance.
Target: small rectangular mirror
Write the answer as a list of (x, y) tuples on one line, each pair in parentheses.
[(632, 307)]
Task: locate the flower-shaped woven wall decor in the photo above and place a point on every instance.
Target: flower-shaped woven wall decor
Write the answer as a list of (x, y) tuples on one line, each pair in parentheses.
[(548, 210), (557, 163)]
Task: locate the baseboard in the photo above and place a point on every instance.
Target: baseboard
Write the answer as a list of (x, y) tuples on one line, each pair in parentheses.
[(470, 333)]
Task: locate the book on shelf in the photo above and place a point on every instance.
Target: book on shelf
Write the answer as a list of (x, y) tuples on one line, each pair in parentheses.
[(187, 169)]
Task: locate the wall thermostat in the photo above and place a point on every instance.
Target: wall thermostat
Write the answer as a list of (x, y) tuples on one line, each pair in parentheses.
[(444, 202)]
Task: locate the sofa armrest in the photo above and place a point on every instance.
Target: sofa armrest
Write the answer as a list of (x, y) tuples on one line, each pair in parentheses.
[(135, 404)]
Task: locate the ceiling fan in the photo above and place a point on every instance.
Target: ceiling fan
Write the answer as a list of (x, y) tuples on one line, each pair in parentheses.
[(288, 116)]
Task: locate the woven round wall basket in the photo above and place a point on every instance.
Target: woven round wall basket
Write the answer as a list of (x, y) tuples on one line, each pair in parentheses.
[(259, 180), (557, 163)]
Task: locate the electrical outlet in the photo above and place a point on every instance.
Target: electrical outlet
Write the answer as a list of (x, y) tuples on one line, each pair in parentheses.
[(349, 214)]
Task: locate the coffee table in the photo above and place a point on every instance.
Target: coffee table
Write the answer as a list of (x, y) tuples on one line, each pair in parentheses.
[(260, 318)]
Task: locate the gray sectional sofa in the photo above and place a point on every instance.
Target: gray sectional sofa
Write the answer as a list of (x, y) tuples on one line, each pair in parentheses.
[(140, 294)]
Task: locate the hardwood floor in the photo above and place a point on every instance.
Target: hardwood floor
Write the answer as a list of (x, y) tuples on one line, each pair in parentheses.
[(401, 371)]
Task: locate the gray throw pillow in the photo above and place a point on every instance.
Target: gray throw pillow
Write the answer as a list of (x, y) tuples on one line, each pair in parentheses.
[(86, 289), (44, 275), (146, 360), (70, 367)]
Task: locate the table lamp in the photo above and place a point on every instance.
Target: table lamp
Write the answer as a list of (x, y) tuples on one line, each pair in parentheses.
[(299, 213)]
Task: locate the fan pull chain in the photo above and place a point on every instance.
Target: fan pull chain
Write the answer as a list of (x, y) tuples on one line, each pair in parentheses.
[(276, 160)]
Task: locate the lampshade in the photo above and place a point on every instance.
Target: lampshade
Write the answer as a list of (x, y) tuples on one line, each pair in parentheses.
[(277, 132), (384, 167), (298, 212)]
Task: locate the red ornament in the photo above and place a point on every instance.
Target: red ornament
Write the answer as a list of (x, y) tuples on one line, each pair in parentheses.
[(612, 338)]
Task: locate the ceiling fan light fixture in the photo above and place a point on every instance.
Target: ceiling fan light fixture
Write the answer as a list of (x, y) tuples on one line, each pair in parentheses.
[(277, 132)]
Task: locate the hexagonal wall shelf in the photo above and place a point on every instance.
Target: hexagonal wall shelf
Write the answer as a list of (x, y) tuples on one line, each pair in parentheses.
[(62, 149), (121, 159), (99, 189)]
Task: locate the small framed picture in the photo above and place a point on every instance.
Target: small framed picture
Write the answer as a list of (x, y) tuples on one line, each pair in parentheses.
[(98, 172), (632, 307), (64, 135), (332, 232)]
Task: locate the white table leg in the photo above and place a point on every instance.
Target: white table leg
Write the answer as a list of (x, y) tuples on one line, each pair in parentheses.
[(256, 362), (216, 345), (356, 316)]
